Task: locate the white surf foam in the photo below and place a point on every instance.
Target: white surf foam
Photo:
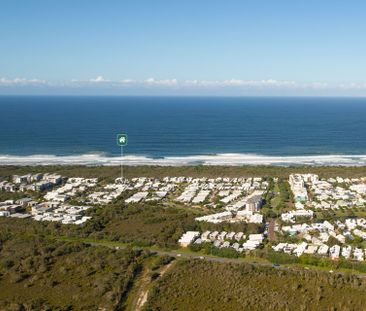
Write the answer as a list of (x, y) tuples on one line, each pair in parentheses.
[(218, 159)]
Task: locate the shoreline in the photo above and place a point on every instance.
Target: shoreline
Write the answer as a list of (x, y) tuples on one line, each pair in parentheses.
[(219, 159)]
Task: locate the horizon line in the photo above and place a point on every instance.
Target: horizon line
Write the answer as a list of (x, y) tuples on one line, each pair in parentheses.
[(185, 95)]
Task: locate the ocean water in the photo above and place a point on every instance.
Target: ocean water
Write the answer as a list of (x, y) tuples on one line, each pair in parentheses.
[(183, 130)]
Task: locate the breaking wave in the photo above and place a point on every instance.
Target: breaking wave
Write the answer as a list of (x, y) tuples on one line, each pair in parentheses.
[(217, 159)]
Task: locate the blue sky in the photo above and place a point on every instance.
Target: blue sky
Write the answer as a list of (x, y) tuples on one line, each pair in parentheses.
[(183, 47)]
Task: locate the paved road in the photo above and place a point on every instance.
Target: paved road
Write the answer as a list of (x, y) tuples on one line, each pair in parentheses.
[(178, 254), (187, 255)]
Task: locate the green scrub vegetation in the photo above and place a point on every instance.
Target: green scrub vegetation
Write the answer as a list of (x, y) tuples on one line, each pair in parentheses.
[(39, 274), (109, 173), (201, 285)]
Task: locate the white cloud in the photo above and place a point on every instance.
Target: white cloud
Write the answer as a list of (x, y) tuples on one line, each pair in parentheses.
[(21, 81), (128, 81), (239, 85), (270, 83), (99, 79), (353, 86), (166, 82)]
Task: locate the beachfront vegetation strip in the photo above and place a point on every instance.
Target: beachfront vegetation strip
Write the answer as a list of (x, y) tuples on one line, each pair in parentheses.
[(110, 173)]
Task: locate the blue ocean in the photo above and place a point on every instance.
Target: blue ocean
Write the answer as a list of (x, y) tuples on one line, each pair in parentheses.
[(183, 130)]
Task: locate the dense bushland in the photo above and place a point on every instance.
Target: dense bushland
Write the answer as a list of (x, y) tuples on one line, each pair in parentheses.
[(40, 274), (201, 285)]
